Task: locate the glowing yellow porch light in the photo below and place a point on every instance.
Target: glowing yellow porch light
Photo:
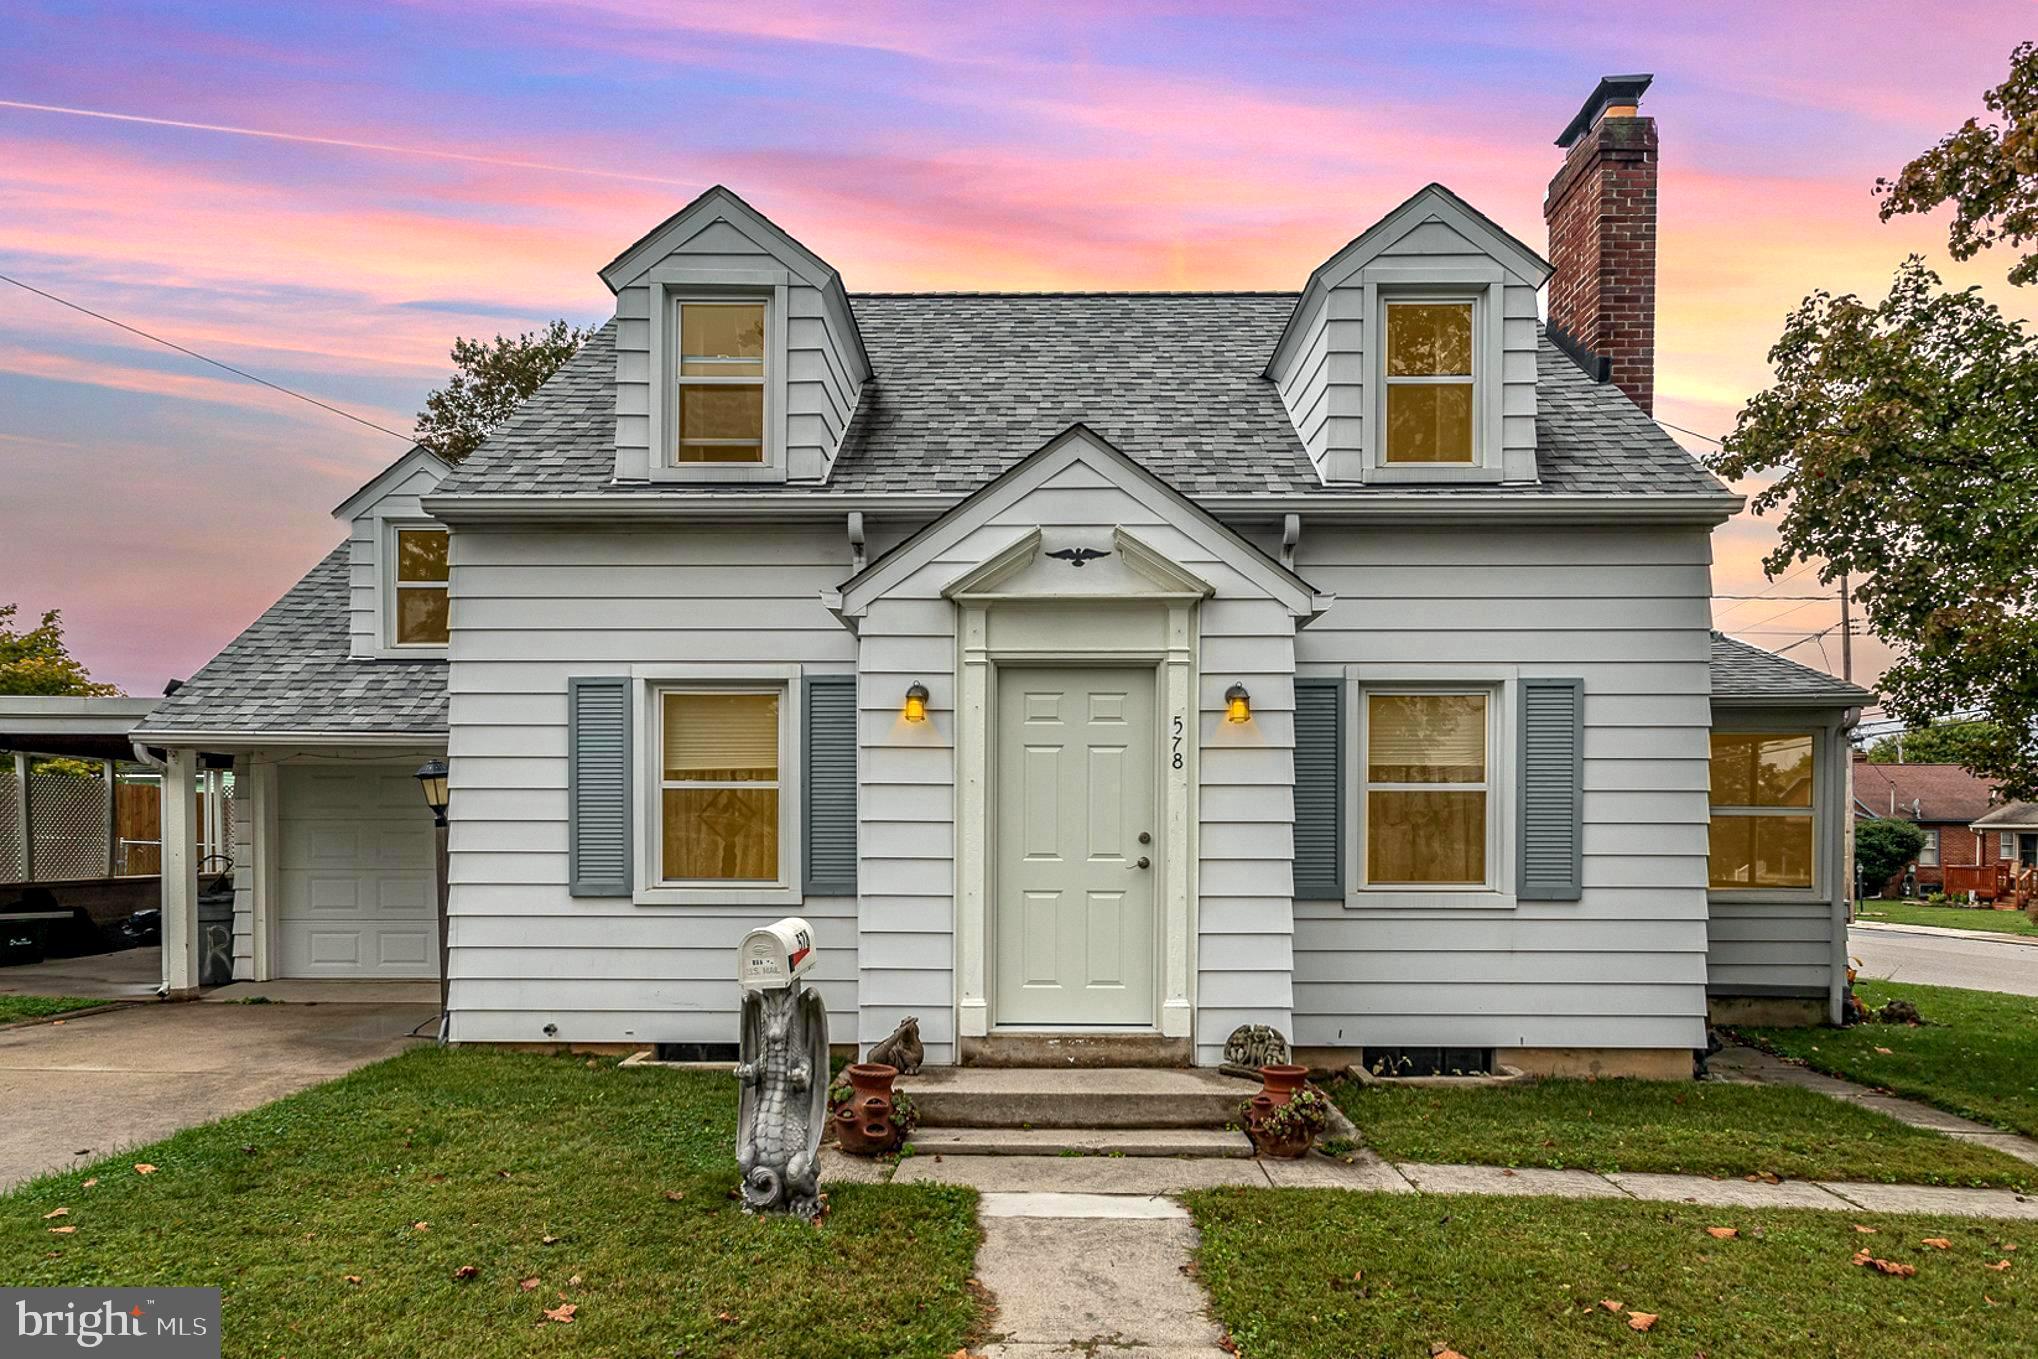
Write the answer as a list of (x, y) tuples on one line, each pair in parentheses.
[(1238, 704), (916, 703)]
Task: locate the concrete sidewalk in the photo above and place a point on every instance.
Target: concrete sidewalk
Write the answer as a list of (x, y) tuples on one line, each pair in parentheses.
[(86, 1088), (1945, 932)]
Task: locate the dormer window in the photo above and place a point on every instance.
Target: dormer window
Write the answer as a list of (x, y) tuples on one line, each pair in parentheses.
[(721, 382), (420, 615), (1430, 382)]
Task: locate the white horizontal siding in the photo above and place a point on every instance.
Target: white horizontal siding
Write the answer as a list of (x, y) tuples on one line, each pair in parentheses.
[(1625, 966), (534, 607)]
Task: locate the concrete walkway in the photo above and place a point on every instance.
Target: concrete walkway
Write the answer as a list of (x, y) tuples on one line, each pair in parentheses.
[(86, 1088), (1754, 1067)]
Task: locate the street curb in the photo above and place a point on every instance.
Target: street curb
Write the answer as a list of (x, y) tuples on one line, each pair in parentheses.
[(1941, 932)]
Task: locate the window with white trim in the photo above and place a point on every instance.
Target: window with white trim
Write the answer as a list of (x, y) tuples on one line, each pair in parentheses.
[(1425, 789), (1928, 857), (419, 599), (719, 410), (1428, 368), (720, 818), (1764, 828), (2007, 844)]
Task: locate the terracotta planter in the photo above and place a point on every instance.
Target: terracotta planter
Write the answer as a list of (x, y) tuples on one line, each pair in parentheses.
[(863, 1122), (1289, 1148), (1278, 1086), (1279, 1083)]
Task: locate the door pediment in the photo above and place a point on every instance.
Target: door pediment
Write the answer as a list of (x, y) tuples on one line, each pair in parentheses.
[(1084, 563)]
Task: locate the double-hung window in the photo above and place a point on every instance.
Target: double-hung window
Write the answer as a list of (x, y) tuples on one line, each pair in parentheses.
[(1928, 856), (1429, 377), (1425, 789), (419, 616), (1763, 834), (721, 382), (720, 760)]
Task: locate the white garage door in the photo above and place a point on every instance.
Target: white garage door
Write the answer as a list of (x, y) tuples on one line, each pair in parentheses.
[(356, 874)]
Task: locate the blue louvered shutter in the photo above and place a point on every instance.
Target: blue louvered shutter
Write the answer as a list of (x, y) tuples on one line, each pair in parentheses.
[(830, 785), (1319, 790), (598, 786), (1551, 813)]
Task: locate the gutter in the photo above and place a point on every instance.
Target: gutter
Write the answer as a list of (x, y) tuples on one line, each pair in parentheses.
[(252, 740), (1386, 507)]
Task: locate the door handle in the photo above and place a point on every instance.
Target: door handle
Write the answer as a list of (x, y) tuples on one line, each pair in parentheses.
[(1143, 862)]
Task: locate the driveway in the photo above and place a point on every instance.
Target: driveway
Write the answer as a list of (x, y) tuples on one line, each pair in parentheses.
[(91, 1086), (131, 974), (1941, 958)]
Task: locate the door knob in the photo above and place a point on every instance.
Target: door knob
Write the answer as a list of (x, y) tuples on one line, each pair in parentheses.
[(1146, 837), (1144, 862)]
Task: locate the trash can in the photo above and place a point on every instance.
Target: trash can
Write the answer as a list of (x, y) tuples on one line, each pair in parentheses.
[(216, 934)]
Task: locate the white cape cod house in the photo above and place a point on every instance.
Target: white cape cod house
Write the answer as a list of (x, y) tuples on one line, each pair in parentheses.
[(1126, 667)]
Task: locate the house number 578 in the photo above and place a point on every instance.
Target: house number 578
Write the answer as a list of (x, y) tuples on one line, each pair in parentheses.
[(1176, 761)]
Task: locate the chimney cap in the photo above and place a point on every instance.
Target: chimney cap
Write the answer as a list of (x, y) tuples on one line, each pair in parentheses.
[(1612, 90)]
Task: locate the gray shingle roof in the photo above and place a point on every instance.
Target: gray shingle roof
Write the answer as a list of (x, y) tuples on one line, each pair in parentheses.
[(289, 671), (1748, 674), (969, 383)]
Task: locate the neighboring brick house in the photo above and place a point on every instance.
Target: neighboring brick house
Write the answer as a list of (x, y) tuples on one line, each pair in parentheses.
[(1943, 799)]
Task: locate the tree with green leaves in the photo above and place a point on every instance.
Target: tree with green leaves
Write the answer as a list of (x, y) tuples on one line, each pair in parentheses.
[(1987, 171), (490, 380), (1882, 846), (1899, 440), (1961, 743), (37, 661)]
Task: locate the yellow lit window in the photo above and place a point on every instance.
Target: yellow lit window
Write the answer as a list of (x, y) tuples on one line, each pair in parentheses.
[(1762, 833), (719, 786), (1429, 382), (721, 382), (1425, 789), (421, 605)]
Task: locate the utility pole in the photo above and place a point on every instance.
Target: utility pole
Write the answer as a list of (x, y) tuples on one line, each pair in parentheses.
[(1846, 631)]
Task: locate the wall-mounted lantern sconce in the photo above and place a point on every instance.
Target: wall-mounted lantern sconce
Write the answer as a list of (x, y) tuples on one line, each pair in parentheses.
[(1238, 704), (431, 777), (916, 703)]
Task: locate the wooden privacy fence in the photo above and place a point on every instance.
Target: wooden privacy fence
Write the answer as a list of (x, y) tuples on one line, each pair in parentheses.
[(94, 819)]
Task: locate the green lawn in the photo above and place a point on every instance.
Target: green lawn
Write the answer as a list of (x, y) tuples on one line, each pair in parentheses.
[(1673, 1126), (35, 1007), (1946, 917), (610, 1188), (1324, 1274), (1977, 1054)]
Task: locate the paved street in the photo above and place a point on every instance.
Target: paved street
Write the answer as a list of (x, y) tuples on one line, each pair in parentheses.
[(1930, 959)]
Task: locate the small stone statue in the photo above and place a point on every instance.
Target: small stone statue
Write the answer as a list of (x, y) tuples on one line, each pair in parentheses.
[(902, 1050), (783, 1076), (1252, 1046)]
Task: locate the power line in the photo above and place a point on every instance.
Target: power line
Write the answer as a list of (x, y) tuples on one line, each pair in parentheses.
[(1692, 432), (1766, 593), (202, 358)]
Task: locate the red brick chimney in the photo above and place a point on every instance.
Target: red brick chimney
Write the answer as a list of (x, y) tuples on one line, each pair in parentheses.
[(1601, 209)]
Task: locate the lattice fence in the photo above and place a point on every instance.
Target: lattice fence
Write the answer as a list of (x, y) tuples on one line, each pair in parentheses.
[(67, 815), (10, 826)]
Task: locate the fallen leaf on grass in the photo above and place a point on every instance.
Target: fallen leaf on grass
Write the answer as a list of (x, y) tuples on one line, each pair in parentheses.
[(1897, 1268), (420, 1226), (563, 1313), (66, 1231), (1999, 1266), (528, 1284), (1937, 1243), (1884, 1051), (674, 1195), (725, 1317), (548, 1240), (1439, 1350), (573, 1282), (1765, 1177), (466, 1272), (1641, 1321), (353, 1278), (89, 1183), (144, 1168), (1723, 1233), (1865, 1231), (56, 1212), (1610, 1304)]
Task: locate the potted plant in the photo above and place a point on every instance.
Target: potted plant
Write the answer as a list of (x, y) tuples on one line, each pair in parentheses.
[(869, 1117), (1286, 1130)]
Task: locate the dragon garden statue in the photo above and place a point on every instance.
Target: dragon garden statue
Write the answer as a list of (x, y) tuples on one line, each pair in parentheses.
[(783, 1078)]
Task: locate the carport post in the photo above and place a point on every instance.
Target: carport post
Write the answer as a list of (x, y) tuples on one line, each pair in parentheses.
[(24, 816), (180, 874)]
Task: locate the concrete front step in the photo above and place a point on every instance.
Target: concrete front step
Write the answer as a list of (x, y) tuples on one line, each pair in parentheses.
[(1100, 1098), (1213, 1143)]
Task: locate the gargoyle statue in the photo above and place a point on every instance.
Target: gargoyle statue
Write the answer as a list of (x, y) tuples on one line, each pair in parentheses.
[(783, 1076), (902, 1050)]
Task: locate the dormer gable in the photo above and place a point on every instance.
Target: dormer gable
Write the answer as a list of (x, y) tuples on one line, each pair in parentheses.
[(738, 357), (1410, 357), (397, 561)]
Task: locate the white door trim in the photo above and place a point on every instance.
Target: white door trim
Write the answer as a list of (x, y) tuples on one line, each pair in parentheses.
[(1037, 636)]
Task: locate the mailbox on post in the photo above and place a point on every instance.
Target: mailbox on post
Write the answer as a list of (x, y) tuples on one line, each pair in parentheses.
[(776, 954)]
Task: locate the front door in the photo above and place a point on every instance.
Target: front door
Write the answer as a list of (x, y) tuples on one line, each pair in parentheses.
[(1073, 818)]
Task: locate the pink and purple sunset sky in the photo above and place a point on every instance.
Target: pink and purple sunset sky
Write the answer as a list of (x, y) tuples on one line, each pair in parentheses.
[(327, 194)]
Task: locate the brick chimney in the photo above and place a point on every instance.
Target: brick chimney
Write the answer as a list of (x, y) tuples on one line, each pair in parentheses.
[(1601, 210)]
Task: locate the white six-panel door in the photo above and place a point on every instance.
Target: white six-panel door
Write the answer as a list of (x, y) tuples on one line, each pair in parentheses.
[(1073, 911), (355, 874)]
